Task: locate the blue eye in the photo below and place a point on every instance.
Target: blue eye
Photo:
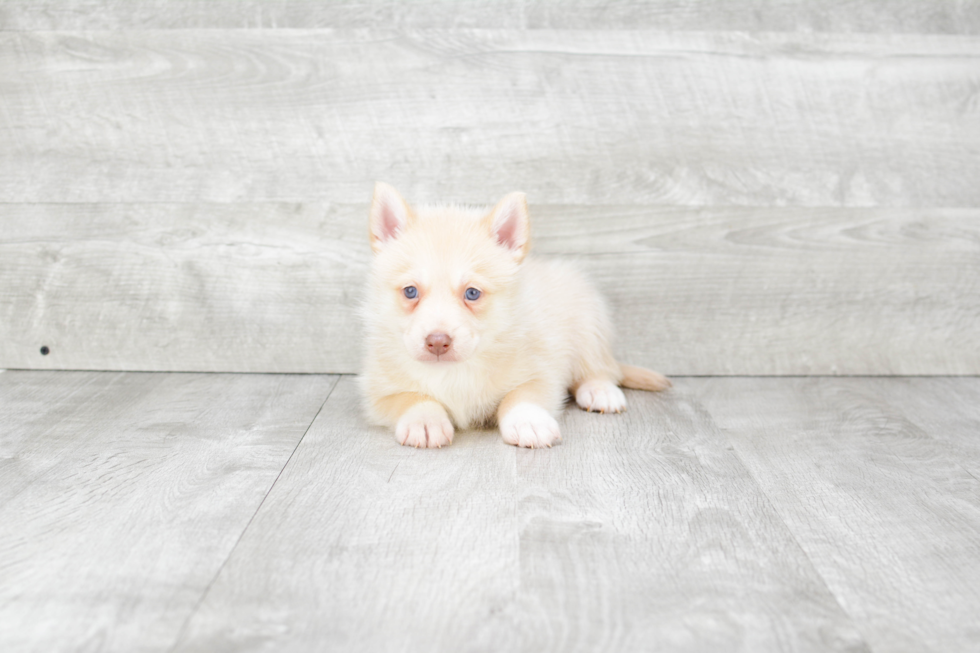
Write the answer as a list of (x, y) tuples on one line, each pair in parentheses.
[(411, 292), (473, 294)]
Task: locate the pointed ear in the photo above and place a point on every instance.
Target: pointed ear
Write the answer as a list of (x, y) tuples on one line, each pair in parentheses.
[(389, 215), (510, 224)]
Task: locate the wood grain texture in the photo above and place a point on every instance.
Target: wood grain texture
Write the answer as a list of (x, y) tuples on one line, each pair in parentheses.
[(946, 409), (137, 515), (122, 494), (640, 531), (274, 287), (644, 531), (574, 116), (887, 513), (246, 287), (367, 545), (868, 16)]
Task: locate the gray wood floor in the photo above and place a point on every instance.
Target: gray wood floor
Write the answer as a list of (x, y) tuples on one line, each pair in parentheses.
[(214, 512)]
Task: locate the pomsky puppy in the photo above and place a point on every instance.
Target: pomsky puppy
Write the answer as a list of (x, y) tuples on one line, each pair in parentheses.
[(462, 328)]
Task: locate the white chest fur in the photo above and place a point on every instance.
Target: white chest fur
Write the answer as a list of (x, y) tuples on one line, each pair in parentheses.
[(470, 391)]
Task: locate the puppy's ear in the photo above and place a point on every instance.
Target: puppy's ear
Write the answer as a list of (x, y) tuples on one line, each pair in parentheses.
[(510, 224), (389, 215)]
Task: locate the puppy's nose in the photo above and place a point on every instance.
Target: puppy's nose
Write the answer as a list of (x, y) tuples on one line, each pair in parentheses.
[(438, 343)]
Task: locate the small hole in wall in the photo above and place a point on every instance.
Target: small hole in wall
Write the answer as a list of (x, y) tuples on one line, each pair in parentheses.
[(45, 351)]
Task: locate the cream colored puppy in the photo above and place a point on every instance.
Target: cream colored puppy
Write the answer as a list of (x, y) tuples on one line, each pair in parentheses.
[(464, 329)]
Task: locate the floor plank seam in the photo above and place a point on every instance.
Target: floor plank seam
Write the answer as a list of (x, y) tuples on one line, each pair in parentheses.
[(855, 621), (231, 552)]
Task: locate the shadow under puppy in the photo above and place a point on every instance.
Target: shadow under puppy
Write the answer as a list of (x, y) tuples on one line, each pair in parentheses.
[(463, 328)]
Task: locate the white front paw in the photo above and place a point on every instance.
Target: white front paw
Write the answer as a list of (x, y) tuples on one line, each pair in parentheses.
[(529, 425), (424, 425), (600, 396)]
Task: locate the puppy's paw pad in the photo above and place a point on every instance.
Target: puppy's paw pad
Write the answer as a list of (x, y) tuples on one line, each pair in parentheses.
[(600, 396), (528, 425), (425, 425)]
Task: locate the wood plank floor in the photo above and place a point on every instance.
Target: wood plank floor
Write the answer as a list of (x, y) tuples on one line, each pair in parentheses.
[(216, 512)]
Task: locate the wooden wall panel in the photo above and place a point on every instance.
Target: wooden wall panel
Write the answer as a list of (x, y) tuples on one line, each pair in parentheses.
[(573, 117), (274, 287), (175, 198), (867, 16), (243, 287)]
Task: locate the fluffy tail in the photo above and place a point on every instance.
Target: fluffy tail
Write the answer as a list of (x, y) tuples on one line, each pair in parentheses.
[(640, 378)]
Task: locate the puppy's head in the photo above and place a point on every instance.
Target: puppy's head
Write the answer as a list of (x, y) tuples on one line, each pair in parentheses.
[(443, 277)]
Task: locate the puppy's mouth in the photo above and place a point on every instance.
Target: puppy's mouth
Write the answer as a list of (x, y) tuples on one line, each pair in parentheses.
[(448, 357)]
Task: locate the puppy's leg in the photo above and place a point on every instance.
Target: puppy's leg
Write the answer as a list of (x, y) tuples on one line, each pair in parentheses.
[(600, 395), (597, 375), (420, 421), (523, 420)]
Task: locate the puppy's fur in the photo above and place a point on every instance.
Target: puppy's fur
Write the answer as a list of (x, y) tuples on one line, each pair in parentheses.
[(508, 351)]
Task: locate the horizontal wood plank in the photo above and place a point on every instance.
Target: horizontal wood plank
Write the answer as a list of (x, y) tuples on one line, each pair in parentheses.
[(884, 510), (248, 288), (572, 116), (869, 16), (274, 287), (121, 495)]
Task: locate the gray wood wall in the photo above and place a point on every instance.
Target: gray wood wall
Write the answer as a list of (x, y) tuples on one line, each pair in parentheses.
[(787, 187)]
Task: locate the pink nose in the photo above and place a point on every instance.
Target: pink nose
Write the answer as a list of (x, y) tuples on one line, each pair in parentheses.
[(438, 343)]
